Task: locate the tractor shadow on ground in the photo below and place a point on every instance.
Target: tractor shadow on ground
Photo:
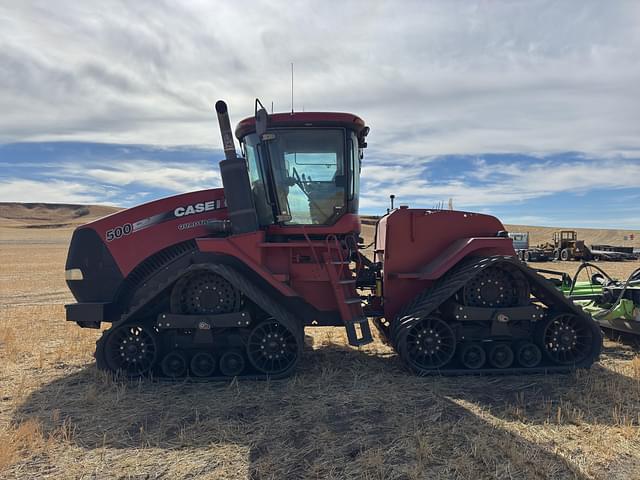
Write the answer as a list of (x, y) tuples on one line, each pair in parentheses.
[(342, 407)]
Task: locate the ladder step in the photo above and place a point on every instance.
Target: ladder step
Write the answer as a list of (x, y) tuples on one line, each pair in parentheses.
[(350, 301), (365, 331), (347, 282)]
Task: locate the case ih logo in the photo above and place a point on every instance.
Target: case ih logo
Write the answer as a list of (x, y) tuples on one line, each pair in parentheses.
[(197, 208)]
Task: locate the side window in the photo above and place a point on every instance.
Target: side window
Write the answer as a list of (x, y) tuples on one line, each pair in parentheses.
[(258, 187), (354, 168)]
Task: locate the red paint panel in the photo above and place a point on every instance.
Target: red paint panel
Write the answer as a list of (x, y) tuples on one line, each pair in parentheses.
[(158, 226), (418, 246)]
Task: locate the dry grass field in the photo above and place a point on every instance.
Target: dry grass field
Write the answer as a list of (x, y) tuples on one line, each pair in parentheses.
[(347, 413)]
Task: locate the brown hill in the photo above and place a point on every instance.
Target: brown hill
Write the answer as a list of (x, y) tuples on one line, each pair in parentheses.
[(45, 222), (56, 215)]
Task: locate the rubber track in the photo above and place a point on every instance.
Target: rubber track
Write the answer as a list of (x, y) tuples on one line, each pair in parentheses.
[(248, 288), (430, 300)]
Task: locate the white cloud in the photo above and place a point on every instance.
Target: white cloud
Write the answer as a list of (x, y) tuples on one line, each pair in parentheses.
[(503, 183), (160, 175), (56, 191), (429, 77)]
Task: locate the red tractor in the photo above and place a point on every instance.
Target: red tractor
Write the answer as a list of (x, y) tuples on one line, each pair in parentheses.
[(222, 282)]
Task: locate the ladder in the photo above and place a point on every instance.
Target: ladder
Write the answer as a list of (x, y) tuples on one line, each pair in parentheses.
[(349, 303)]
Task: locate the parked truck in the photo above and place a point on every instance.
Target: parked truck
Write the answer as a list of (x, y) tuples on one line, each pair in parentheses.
[(527, 253)]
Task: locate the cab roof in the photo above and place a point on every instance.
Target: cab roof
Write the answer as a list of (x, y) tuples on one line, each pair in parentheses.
[(303, 119)]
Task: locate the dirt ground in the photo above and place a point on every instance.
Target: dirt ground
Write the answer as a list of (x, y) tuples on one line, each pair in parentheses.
[(347, 413)]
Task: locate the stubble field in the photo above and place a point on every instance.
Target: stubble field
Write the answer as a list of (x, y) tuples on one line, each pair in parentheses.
[(347, 413)]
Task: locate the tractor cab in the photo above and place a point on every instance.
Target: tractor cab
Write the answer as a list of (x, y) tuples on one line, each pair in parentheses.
[(304, 168), (564, 237)]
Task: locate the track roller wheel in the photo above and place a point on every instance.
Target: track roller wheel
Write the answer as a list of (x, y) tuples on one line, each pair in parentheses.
[(472, 356), (566, 338), (430, 344), (528, 354), (232, 364), (174, 365), (501, 356), (129, 349), (203, 364), (272, 348)]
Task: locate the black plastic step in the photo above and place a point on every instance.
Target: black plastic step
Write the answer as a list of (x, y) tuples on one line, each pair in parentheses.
[(352, 333)]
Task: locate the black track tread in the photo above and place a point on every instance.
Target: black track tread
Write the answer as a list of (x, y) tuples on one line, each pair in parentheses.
[(429, 300), (238, 280)]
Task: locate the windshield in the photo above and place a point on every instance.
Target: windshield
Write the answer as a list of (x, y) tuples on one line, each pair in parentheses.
[(308, 174)]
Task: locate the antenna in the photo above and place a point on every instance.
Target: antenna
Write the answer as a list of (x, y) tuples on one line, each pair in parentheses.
[(291, 88), (271, 106)]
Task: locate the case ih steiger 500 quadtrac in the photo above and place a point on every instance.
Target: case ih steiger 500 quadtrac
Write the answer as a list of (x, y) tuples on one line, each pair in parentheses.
[(222, 282)]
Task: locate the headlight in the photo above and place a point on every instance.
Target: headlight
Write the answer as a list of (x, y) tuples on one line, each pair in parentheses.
[(73, 274)]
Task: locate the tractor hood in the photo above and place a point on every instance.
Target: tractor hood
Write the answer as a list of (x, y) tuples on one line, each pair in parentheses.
[(103, 252)]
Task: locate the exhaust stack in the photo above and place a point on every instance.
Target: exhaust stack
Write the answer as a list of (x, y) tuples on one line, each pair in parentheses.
[(225, 130), (235, 179)]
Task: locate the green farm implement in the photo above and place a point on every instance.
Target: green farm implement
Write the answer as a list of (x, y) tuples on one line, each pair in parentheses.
[(613, 303)]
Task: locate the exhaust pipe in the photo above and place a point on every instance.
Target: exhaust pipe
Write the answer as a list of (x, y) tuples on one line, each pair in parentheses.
[(235, 180), (225, 130)]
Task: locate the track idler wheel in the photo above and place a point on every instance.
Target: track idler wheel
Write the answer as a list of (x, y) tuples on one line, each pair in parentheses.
[(174, 365), (501, 356), (430, 344), (128, 349), (528, 354), (203, 364), (272, 348), (566, 338), (232, 364), (472, 356)]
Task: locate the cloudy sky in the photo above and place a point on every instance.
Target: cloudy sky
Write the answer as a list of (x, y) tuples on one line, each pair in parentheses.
[(527, 110)]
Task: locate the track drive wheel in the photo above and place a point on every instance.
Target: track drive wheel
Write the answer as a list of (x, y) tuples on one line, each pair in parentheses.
[(130, 349), (566, 339), (272, 348), (429, 345), (204, 292), (496, 286)]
